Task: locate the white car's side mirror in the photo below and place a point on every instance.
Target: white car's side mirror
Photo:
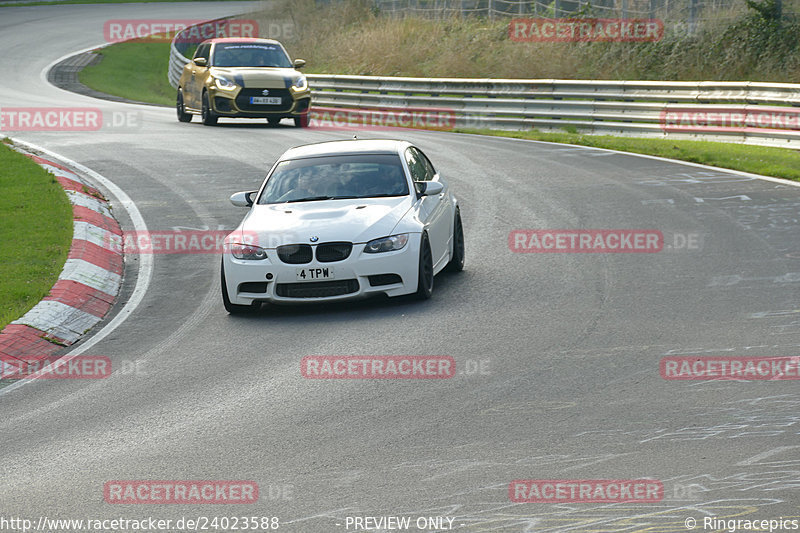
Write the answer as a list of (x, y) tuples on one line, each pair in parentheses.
[(428, 188), (243, 199)]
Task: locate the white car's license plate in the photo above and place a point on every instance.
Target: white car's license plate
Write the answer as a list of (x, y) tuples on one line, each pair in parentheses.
[(314, 274), (269, 100)]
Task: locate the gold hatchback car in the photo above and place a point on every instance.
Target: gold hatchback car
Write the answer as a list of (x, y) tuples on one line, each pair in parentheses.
[(243, 78)]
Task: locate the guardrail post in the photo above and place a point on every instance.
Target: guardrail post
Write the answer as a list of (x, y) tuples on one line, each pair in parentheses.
[(692, 16)]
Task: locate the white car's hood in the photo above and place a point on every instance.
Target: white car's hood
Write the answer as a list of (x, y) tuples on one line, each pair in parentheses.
[(357, 220)]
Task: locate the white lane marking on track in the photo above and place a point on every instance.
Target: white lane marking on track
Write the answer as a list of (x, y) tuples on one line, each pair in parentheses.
[(145, 260), (656, 158), (46, 69), (756, 458)]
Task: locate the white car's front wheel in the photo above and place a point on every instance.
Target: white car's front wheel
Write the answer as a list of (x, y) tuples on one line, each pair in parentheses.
[(456, 263), (425, 277), (232, 308)]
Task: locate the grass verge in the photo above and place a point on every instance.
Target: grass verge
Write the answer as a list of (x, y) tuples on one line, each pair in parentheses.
[(352, 37), (768, 161), (134, 70), (60, 2), (36, 233)]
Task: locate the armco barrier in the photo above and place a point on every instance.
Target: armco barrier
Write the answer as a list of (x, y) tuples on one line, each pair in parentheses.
[(745, 112), (176, 56)]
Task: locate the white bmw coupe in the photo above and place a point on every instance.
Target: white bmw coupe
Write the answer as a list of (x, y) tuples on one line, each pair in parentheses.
[(340, 220)]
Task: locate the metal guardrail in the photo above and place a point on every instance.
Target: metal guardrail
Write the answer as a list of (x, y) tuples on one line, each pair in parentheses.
[(176, 58), (745, 112), (176, 63)]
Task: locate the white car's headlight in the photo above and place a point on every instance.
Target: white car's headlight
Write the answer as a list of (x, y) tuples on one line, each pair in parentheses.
[(387, 244), (224, 83), (300, 83), (248, 252)]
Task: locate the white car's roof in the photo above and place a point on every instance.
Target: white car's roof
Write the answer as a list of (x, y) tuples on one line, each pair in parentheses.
[(354, 146)]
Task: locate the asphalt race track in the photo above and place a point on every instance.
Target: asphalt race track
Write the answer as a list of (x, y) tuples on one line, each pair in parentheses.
[(557, 353)]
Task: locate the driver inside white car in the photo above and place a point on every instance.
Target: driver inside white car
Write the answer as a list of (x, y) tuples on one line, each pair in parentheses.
[(304, 187)]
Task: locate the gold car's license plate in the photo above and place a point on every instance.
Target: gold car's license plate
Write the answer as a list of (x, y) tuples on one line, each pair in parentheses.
[(269, 100), (314, 274)]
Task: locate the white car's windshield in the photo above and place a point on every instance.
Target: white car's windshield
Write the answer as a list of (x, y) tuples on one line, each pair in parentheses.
[(335, 177)]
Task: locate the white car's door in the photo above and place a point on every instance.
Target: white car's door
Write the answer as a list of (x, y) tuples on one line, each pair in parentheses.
[(434, 210), (442, 224)]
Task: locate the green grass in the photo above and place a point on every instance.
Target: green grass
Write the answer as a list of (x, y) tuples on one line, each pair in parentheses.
[(133, 70), (55, 3), (768, 161), (36, 233)]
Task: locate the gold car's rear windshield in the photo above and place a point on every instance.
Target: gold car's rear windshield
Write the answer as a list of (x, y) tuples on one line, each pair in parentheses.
[(249, 55)]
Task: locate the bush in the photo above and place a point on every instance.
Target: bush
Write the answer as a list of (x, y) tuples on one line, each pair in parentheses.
[(757, 43)]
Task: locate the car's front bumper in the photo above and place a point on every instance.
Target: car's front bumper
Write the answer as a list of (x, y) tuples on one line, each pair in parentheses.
[(236, 103), (360, 275)]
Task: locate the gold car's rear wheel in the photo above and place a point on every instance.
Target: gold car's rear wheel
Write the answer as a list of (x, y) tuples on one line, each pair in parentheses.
[(209, 118), (183, 116)]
